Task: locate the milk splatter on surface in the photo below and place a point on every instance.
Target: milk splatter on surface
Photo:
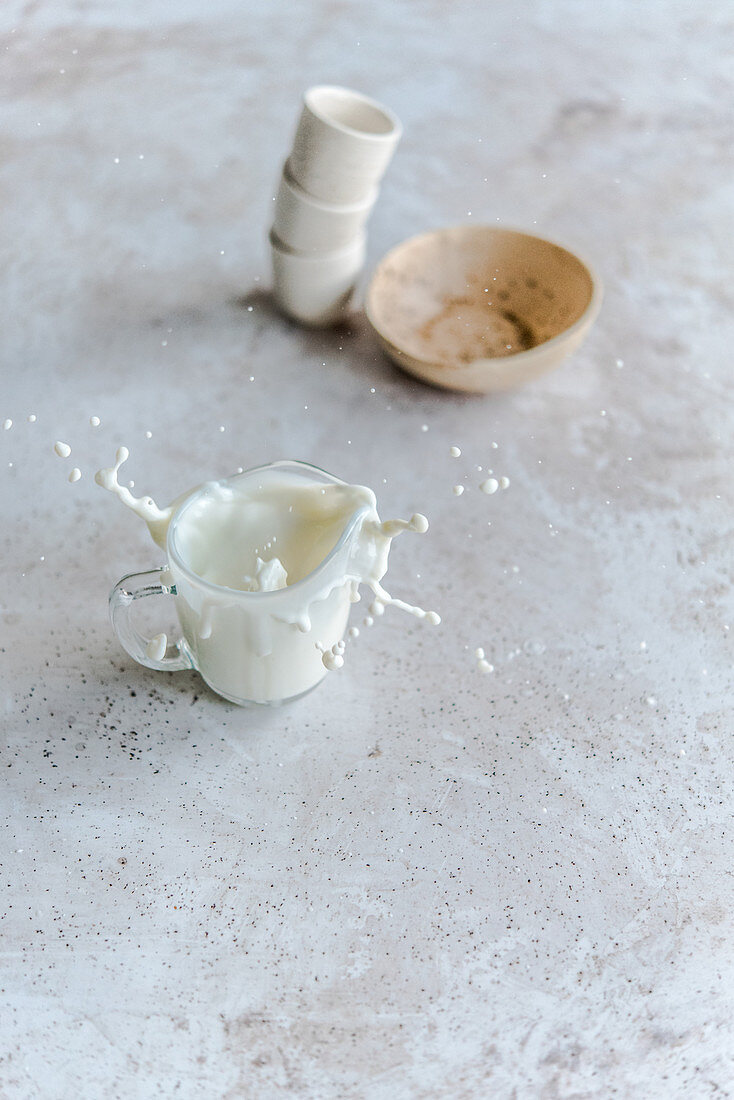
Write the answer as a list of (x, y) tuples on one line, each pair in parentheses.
[(63, 450), (7, 424), (483, 664), (75, 474)]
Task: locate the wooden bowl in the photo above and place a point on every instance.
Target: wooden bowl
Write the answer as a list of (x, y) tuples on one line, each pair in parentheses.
[(481, 309)]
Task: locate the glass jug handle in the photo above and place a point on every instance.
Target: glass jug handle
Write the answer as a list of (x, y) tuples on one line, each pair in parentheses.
[(149, 652)]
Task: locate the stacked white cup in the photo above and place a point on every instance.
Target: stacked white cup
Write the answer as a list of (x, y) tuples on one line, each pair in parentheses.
[(329, 184)]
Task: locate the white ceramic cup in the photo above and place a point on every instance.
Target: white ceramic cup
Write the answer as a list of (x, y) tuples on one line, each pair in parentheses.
[(306, 224), (316, 287), (250, 647), (343, 144)]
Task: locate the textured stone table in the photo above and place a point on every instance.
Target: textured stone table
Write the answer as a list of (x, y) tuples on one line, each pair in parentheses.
[(420, 881)]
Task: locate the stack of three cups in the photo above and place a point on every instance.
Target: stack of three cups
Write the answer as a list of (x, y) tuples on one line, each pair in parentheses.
[(343, 144)]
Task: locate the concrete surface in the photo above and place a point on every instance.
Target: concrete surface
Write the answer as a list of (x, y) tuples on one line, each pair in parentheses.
[(420, 881)]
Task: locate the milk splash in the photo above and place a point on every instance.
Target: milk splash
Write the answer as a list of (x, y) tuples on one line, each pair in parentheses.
[(229, 537), (157, 519)]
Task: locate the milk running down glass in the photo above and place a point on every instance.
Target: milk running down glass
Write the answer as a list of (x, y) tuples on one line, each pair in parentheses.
[(264, 567)]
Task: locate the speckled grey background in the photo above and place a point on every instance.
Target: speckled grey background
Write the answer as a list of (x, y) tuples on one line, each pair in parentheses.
[(419, 881)]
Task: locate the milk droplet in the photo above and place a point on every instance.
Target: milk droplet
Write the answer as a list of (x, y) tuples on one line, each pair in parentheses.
[(32, 418), (457, 490), (63, 450), (148, 435), (353, 631), (7, 424), (95, 421), (455, 452), (333, 658), (491, 485), (504, 482), (75, 474), (479, 653), (156, 647), (485, 666), (424, 427)]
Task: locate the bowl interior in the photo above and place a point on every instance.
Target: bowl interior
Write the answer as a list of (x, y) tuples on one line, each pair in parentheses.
[(476, 292)]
